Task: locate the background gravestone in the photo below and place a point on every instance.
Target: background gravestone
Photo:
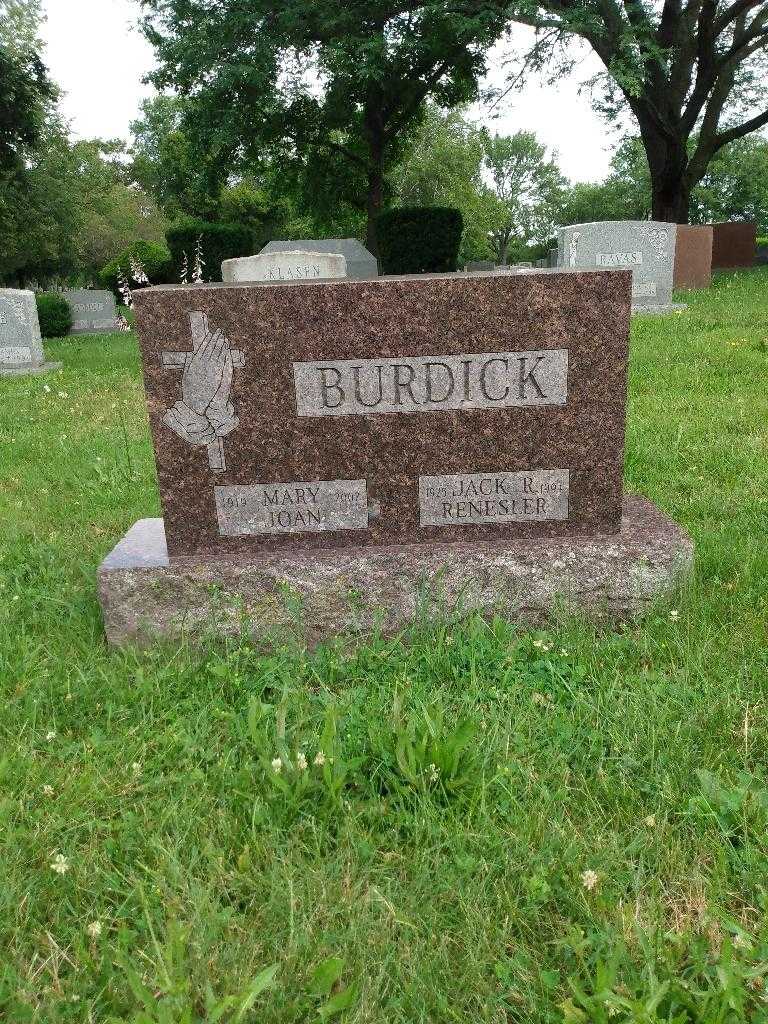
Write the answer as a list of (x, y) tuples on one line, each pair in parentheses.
[(361, 264), (21, 346), (646, 247), (733, 244), (93, 312), (693, 256), (349, 441), (281, 267)]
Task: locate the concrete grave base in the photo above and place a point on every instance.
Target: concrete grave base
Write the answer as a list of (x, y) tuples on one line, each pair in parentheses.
[(23, 371), (669, 307), (319, 594)]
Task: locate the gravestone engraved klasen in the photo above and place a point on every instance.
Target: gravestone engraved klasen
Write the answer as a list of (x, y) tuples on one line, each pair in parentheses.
[(93, 312), (283, 267), (350, 440), (360, 263), (21, 345), (647, 248)]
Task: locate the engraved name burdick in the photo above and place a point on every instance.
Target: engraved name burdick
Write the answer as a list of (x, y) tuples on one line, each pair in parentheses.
[(205, 413)]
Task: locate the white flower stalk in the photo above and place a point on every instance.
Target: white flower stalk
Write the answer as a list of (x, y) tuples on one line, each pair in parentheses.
[(122, 325), (125, 289), (137, 271), (184, 277), (197, 269)]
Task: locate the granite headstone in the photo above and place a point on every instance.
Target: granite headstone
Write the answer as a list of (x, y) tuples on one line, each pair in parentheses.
[(21, 346), (351, 442), (361, 264), (733, 244), (93, 312), (693, 256), (646, 247)]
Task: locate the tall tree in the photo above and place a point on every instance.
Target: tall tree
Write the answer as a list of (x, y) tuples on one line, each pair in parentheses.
[(327, 81), (687, 69), (26, 92), (443, 166), (528, 186), (183, 174)]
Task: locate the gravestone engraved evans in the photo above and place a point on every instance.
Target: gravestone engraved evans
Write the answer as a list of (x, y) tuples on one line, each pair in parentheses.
[(93, 312), (412, 410), (297, 265), (361, 264), (647, 248), (21, 346)]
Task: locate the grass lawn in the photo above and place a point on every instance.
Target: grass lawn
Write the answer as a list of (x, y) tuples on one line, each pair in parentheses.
[(566, 825)]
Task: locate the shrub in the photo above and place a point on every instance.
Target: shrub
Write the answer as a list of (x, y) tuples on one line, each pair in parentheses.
[(154, 257), (419, 239), (219, 241), (54, 314)]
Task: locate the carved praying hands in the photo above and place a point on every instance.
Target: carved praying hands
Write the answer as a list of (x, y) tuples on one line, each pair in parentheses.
[(205, 413)]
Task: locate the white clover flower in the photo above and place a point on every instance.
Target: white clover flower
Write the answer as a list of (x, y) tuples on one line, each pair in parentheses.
[(319, 759), (47, 790), (277, 765), (136, 767), (50, 735), (94, 929), (674, 614), (434, 773), (589, 879), (301, 761), (60, 864), (46, 388), (650, 821)]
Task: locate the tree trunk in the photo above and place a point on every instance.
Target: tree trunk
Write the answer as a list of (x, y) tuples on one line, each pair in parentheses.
[(670, 185), (671, 198), (375, 197)]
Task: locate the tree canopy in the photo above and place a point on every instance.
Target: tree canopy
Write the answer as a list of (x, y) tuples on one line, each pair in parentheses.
[(688, 71), (336, 87)]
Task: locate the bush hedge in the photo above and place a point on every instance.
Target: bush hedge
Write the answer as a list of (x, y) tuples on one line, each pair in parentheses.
[(154, 258), (219, 241), (419, 239), (54, 314)]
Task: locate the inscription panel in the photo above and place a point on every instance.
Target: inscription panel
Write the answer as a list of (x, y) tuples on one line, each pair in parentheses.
[(14, 354), (469, 498), (307, 507), (619, 259), (364, 387), (644, 290)]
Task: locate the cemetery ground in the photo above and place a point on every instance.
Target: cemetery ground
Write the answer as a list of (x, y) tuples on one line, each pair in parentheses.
[(471, 822)]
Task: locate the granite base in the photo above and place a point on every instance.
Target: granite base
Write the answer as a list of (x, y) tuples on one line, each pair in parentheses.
[(316, 595), (23, 371), (660, 309)]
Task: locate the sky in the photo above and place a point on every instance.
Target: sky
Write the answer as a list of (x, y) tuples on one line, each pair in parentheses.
[(98, 58)]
